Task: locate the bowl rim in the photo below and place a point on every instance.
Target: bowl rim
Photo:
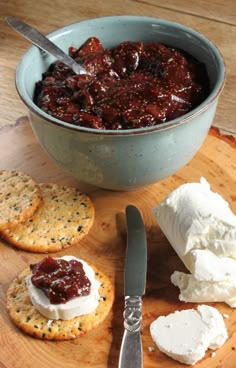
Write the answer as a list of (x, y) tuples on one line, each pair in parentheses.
[(211, 98)]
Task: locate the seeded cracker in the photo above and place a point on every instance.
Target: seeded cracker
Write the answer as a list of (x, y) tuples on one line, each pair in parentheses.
[(26, 317), (62, 219), (19, 198)]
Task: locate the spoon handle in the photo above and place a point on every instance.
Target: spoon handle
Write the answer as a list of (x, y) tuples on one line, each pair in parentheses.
[(44, 43)]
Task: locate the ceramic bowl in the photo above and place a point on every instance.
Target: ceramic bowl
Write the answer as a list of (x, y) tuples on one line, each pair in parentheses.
[(126, 159)]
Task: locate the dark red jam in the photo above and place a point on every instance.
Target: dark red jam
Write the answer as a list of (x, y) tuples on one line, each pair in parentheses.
[(60, 280), (132, 85)]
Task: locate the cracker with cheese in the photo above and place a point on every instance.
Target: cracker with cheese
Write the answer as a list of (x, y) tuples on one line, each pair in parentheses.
[(27, 318), (20, 195), (62, 219)]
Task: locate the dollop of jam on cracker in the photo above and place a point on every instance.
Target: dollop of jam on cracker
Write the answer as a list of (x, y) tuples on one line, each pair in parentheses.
[(60, 280)]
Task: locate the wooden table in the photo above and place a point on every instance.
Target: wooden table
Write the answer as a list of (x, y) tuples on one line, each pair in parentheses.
[(105, 244)]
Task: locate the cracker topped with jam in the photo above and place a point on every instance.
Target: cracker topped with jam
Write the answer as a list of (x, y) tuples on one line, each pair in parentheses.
[(33, 311)]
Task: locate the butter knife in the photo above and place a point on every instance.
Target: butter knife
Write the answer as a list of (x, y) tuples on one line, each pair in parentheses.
[(131, 353)]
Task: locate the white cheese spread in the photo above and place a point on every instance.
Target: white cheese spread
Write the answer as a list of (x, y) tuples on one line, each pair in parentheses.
[(194, 217), (74, 307), (202, 229), (186, 335)]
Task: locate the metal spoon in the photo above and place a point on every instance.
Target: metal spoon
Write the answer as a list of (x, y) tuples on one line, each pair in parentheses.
[(44, 43)]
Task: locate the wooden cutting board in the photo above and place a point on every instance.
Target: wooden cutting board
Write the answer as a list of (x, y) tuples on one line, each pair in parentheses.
[(105, 246)]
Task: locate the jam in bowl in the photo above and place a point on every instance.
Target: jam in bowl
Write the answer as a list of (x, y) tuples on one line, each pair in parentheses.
[(133, 85)]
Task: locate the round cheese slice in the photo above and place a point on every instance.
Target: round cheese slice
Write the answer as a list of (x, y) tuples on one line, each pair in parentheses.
[(186, 335)]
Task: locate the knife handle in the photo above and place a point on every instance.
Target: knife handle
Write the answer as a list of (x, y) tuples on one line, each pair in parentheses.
[(133, 313), (131, 353)]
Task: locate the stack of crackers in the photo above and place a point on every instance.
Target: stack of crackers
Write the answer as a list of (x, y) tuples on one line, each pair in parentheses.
[(46, 218), (42, 217)]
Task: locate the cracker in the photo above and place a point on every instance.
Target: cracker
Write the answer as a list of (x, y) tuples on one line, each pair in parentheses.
[(19, 197), (26, 317), (62, 219)]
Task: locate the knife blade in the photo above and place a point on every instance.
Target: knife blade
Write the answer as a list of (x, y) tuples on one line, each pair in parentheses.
[(131, 353)]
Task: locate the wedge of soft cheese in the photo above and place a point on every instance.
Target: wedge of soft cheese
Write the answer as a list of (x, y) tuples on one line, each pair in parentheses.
[(213, 279), (194, 217), (186, 335), (74, 307), (207, 266), (195, 291)]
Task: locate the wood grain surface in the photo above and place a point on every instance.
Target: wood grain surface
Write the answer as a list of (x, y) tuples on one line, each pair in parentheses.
[(105, 246), (215, 19)]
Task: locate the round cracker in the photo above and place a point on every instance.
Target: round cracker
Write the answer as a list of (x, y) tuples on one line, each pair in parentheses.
[(26, 317), (19, 197), (62, 219)]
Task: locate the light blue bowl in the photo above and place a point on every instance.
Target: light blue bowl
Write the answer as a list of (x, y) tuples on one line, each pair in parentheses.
[(128, 159)]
